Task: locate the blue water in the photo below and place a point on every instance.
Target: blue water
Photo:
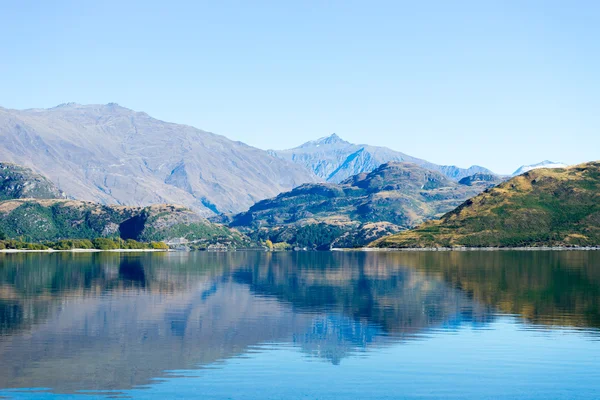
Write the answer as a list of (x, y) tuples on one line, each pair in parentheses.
[(252, 325)]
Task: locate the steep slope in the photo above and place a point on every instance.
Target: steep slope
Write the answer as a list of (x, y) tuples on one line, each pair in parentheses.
[(334, 159), (542, 207), (544, 164), (400, 194), (113, 155), (18, 182), (55, 219)]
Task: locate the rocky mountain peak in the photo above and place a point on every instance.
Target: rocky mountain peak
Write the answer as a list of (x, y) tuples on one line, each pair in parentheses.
[(332, 139), (113, 155), (333, 159)]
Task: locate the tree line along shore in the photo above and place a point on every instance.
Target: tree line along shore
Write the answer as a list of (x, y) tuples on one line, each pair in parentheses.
[(83, 244)]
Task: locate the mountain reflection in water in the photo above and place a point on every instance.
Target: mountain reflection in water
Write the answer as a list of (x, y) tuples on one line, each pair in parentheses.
[(106, 321)]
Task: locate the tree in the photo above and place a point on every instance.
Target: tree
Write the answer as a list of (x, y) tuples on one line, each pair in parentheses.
[(105, 244), (269, 244), (159, 246), (319, 236)]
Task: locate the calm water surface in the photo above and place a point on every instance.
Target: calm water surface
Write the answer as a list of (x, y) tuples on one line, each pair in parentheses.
[(248, 325)]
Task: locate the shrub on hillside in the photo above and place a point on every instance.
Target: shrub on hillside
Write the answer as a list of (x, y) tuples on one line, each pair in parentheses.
[(135, 245), (69, 244), (19, 245), (317, 235), (35, 246), (159, 246), (105, 244)]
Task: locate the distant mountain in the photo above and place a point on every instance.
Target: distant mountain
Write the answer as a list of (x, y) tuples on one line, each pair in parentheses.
[(18, 182), (543, 164), (482, 180), (394, 196), (112, 155), (334, 159), (542, 207)]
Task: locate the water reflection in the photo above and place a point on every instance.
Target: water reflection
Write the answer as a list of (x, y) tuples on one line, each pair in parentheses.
[(107, 321)]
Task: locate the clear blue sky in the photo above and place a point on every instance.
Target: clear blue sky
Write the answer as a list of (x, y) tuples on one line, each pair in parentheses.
[(495, 83)]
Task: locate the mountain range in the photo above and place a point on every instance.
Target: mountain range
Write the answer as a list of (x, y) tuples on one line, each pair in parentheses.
[(113, 155), (542, 207), (333, 159), (108, 155)]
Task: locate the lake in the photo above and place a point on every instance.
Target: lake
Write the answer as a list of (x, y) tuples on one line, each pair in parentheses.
[(306, 325)]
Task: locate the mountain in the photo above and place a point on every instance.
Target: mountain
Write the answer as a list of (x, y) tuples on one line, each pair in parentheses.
[(544, 164), (394, 196), (112, 155), (18, 182), (542, 207), (33, 209), (334, 159)]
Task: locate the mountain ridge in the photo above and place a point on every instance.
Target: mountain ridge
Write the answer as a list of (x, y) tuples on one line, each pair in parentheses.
[(111, 154), (334, 159)]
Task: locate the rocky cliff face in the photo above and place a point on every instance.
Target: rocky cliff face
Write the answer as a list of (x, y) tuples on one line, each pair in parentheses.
[(334, 159), (113, 155)]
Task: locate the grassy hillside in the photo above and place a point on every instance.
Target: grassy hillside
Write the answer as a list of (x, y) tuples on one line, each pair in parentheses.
[(52, 220), (18, 182), (401, 195), (543, 207)]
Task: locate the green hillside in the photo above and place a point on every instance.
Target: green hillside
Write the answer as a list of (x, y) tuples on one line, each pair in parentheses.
[(394, 196), (32, 209), (543, 207)]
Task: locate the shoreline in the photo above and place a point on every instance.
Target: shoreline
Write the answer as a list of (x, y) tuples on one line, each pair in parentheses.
[(430, 249), (335, 249), (9, 251)]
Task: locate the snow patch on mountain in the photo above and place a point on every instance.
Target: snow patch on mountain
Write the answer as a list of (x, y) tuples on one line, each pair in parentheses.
[(543, 164)]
